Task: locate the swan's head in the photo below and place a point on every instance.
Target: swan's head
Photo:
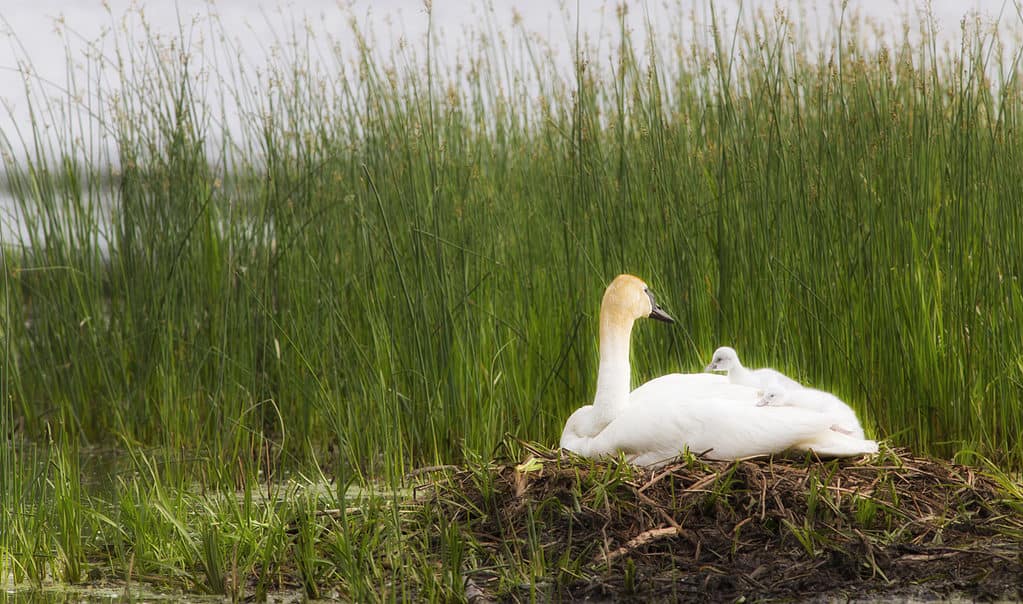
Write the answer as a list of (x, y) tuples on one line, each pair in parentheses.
[(724, 359), (772, 395), (628, 299)]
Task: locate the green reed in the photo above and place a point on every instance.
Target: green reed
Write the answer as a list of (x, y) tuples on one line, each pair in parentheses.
[(395, 261)]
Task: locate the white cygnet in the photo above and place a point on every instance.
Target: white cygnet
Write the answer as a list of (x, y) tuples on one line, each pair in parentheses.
[(727, 360), (845, 420)]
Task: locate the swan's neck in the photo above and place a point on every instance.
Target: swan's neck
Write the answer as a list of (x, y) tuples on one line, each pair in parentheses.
[(614, 375)]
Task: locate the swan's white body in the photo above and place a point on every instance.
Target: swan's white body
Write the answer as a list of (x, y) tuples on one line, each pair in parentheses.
[(727, 360), (844, 418), (706, 414)]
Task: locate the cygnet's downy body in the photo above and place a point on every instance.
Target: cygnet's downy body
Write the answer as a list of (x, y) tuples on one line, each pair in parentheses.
[(845, 420), (727, 360)]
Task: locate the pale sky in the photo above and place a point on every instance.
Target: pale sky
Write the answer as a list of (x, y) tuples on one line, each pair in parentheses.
[(44, 33)]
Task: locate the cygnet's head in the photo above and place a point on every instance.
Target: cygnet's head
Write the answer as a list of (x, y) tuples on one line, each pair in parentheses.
[(628, 299), (772, 395), (724, 359)]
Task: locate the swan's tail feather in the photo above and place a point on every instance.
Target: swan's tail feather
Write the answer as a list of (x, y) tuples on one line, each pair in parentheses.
[(837, 444)]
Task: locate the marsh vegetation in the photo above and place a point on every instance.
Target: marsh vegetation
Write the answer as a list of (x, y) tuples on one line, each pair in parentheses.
[(395, 262)]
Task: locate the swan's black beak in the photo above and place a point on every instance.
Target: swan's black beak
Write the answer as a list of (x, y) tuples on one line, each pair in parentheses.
[(657, 312)]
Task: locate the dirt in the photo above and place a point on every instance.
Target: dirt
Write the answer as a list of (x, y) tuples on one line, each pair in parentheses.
[(892, 526)]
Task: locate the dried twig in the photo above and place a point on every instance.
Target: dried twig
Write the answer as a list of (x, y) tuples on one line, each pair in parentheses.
[(640, 540)]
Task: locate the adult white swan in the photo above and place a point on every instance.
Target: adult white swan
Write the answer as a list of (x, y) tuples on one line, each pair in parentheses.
[(703, 413)]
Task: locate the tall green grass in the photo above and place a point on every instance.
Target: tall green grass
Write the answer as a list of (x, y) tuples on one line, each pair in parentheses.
[(395, 260)]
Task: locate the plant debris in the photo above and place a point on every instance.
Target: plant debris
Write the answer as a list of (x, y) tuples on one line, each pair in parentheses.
[(890, 525)]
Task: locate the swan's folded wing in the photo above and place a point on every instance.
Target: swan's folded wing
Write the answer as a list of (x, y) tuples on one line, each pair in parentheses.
[(841, 414), (718, 428), (769, 376), (686, 388)]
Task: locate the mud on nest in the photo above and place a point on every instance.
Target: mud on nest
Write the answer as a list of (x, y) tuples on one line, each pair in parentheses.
[(891, 524)]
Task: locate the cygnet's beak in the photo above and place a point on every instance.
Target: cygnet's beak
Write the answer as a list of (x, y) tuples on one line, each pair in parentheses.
[(711, 367), (657, 312)]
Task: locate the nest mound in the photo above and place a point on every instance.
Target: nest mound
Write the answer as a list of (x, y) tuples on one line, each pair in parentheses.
[(892, 524)]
